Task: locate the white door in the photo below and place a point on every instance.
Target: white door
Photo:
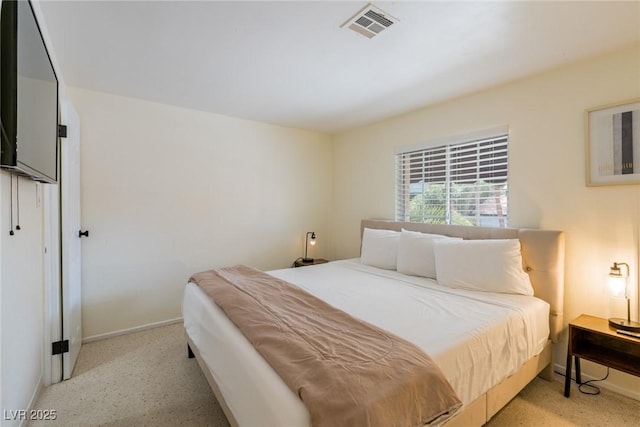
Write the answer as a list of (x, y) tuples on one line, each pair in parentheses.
[(52, 309), (70, 237)]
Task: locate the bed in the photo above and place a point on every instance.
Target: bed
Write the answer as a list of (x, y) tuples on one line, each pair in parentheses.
[(489, 345)]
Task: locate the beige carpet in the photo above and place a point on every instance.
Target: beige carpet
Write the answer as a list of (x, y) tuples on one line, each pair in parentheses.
[(146, 379)]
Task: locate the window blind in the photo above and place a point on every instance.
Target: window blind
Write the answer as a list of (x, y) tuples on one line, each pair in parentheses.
[(462, 183)]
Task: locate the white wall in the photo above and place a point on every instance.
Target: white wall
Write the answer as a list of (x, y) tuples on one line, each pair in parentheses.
[(21, 294), (547, 188), (167, 192)]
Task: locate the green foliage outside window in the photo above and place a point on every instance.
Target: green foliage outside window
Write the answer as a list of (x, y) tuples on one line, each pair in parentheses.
[(430, 206)]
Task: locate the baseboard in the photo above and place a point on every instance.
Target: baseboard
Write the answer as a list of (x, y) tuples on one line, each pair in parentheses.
[(33, 400), (99, 337), (605, 384)]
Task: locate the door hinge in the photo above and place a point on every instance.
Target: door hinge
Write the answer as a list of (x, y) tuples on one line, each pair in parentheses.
[(60, 347), (62, 131)]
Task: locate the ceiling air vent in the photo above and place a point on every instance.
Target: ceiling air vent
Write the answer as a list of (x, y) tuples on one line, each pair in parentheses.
[(370, 21)]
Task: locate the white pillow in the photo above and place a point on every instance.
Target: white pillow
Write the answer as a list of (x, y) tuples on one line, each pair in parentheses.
[(380, 248), (483, 265), (415, 253)]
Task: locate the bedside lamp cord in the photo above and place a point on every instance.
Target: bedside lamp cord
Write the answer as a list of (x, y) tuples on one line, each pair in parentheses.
[(592, 389)]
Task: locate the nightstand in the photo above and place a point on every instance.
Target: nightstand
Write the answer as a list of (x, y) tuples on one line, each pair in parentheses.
[(592, 338), (300, 263)]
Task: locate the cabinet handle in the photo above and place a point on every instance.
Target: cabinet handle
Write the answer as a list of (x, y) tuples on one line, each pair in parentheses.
[(83, 233)]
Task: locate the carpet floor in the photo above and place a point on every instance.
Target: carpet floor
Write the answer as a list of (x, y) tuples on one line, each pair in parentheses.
[(146, 379)]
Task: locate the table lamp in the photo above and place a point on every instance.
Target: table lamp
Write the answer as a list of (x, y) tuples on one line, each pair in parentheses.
[(310, 239), (619, 287)]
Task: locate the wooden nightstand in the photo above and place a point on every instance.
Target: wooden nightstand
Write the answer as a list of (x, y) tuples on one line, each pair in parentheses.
[(300, 263), (592, 338)]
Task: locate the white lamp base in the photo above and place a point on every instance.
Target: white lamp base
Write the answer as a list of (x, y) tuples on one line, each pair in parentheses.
[(624, 324)]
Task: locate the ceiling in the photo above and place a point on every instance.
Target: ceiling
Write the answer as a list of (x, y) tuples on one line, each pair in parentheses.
[(290, 63)]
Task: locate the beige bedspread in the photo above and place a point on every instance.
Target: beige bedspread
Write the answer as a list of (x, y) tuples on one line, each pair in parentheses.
[(347, 372)]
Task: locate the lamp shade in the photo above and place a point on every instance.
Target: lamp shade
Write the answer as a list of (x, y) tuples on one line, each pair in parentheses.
[(617, 285)]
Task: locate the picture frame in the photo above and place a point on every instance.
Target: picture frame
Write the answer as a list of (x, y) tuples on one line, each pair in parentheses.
[(613, 144)]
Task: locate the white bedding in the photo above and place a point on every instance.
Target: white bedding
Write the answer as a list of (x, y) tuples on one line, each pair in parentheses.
[(477, 338)]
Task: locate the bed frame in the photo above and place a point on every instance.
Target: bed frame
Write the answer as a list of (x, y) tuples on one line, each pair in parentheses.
[(543, 260)]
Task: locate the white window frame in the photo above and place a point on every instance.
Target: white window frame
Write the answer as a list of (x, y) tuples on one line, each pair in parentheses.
[(449, 172)]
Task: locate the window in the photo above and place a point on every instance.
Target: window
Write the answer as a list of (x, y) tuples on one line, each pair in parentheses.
[(459, 183)]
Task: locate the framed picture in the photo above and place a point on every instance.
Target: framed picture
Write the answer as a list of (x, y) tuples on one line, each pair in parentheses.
[(613, 144)]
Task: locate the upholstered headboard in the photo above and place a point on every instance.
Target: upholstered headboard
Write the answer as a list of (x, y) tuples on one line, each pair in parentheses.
[(542, 257)]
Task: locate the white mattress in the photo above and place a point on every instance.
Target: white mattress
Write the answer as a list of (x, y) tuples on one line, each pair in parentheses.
[(477, 338)]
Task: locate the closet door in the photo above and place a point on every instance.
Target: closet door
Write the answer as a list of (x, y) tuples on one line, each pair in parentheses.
[(71, 237)]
